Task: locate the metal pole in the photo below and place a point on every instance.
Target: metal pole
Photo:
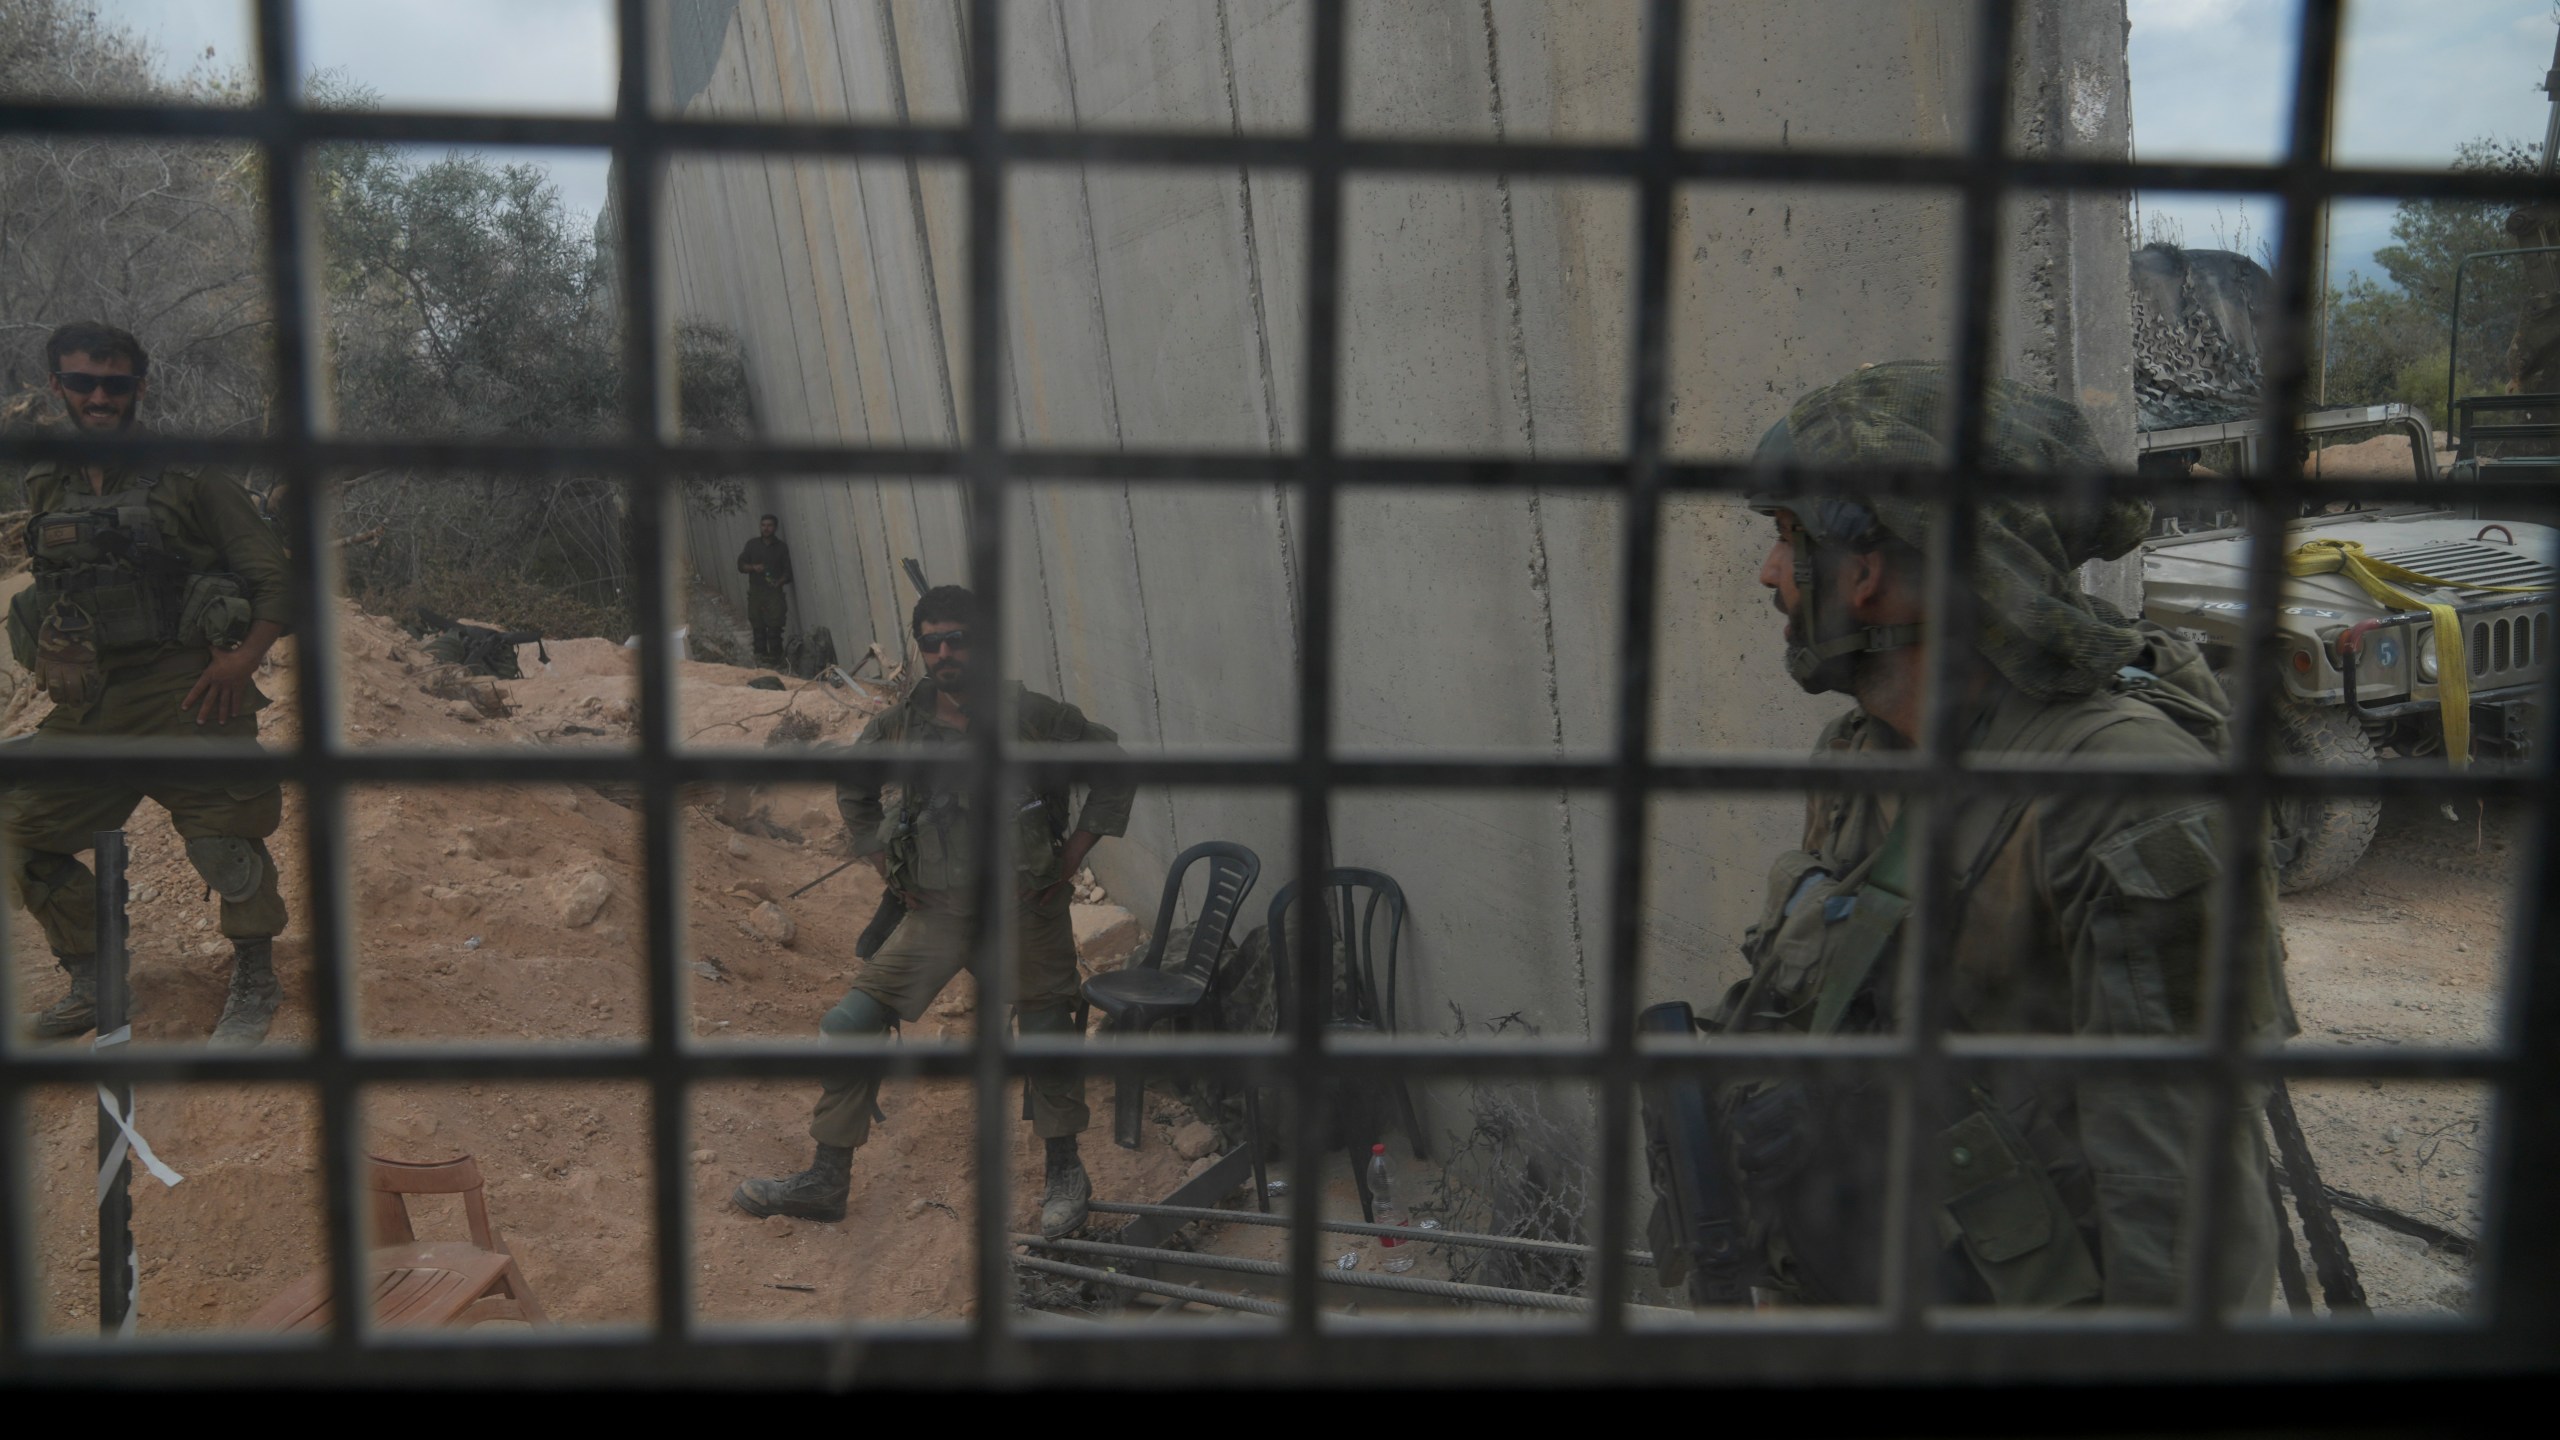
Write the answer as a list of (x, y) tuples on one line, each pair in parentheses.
[(115, 1201)]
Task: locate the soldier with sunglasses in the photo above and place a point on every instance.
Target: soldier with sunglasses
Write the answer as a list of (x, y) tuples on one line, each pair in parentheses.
[(156, 593), (924, 846)]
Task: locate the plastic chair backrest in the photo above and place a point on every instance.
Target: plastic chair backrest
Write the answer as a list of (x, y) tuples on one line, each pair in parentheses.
[(1232, 871), (392, 1179), (1368, 1004)]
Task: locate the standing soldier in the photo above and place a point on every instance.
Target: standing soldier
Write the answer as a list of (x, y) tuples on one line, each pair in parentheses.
[(155, 596), (2075, 914), (766, 562), (924, 846)]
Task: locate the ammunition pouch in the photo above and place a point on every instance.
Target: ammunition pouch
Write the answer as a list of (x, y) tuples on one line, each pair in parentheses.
[(933, 842), (213, 612), (2007, 1219), (66, 655)]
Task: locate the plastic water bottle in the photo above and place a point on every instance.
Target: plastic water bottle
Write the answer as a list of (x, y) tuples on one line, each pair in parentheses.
[(1382, 1195)]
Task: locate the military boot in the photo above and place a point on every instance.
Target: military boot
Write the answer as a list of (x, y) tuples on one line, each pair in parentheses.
[(817, 1193), (1070, 1193), (251, 1005), (75, 1013)]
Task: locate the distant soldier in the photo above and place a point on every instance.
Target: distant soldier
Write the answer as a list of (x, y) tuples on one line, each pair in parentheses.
[(924, 850), (2076, 914), (155, 596), (766, 562)]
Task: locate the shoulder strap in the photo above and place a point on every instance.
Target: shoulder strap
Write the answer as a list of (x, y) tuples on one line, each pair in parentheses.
[(1876, 912), (1874, 916)]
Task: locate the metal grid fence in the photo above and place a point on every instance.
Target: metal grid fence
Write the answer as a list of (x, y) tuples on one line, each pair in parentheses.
[(1905, 1339)]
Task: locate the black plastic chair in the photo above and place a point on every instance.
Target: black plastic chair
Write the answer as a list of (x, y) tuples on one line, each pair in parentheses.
[(1146, 994), (1358, 1004)]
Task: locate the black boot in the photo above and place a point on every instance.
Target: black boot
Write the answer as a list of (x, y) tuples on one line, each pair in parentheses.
[(817, 1193), (1070, 1189), (251, 1006), (75, 1013)]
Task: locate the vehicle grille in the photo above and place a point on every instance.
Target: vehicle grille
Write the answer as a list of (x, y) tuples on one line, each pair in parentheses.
[(2512, 648), (2469, 564)]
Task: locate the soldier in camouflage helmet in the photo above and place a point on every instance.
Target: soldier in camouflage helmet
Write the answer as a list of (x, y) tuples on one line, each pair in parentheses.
[(2082, 915), (155, 595), (923, 844)]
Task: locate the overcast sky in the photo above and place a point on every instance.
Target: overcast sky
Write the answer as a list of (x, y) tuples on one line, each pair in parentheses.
[(2211, 78), (549, 56)]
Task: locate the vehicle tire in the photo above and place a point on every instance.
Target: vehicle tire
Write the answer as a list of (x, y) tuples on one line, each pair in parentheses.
[(2328, 833)]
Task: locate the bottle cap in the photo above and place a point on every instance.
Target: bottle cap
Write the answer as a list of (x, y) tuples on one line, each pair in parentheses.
[(1378, 1149)]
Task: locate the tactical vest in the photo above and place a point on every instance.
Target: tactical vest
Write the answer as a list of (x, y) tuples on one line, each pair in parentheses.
[(932, 840), (1823, 946), (106, 559)]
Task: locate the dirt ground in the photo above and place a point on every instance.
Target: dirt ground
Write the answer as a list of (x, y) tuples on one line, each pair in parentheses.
[(2410, 949), (511, 912)]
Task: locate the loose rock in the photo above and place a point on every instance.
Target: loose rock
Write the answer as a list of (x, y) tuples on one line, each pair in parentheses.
[(1106, 935), (773, 923), (704, 1157), (739, 847), (582, 899), (1194, 1141), (777, 1224)]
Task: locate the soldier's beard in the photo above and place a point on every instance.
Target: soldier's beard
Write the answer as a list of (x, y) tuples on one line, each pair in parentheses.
[(87, 416)]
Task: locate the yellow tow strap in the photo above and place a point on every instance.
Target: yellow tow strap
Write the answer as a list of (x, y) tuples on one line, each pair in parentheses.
[(2453, 668)]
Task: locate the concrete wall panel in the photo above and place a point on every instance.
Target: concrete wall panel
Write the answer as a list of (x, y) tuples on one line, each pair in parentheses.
[(1483, 314)]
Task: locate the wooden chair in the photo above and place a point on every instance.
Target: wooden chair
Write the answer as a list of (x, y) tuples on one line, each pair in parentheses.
[(417, 1284)]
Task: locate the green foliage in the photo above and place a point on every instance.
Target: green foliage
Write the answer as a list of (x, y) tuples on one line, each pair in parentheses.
[(2389, 342), (460, 298), (161, 238)]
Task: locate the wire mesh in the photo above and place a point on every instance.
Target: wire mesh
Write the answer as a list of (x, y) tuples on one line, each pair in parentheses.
[(1510, 1083)]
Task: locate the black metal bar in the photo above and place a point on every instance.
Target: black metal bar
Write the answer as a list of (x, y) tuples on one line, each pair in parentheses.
[(2240, 913), (115, 1190), (1312, 788), (1740, 775), (1640, 543), (982, 441), (284, 153), (647, 382), (1268, 151), (666, 462), (1910, 1252), (1264, 1059)]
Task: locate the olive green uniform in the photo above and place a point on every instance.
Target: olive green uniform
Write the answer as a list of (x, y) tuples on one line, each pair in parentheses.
[(2083, 915), (219, 569), (930, 843), (766, 609)]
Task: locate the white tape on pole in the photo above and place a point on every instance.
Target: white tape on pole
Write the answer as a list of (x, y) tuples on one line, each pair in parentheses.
[(127, 1137)]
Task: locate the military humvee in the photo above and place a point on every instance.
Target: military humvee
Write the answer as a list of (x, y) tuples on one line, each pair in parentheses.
[(2358, 678)]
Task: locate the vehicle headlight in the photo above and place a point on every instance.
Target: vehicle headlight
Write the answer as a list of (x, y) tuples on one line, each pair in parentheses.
[(2427, 655)]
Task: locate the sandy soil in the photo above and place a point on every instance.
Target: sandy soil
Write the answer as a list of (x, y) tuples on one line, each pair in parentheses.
[(477, 915), (2410, 949), (510, 912)]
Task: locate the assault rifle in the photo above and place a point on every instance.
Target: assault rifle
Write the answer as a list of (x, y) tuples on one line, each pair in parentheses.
[(1697, 1228)]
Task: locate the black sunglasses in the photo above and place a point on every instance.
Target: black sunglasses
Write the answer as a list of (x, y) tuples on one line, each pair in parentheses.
[(947, 640), (81, 383)]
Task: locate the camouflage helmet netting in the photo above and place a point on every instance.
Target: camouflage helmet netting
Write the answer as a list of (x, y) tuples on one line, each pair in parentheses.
[(2036, 625)]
